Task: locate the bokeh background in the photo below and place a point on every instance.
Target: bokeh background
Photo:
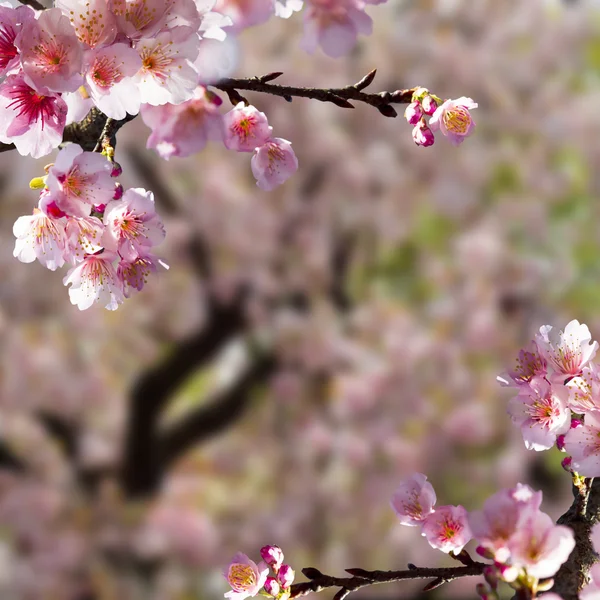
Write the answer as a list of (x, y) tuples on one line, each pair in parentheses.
[(310, 347)]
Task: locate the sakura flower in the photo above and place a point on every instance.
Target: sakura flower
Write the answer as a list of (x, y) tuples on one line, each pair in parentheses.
[(422, 134), (84, 236), (585, 390), (245, 577), (167, 74), (334, 25), (245, 13), (530, 364), (132, 225), (183, 129), (139, 18), (583, 444), (539, 546), (108, 75), (447, 529), (592, 590), (273, 163), (285, 576), (33, 120), (413, 500), (95, 280), (494, 526), (216, 60), (78, 104), (93, 23), (541, 411), (273, 556), (51, 54), (42, 237), (80, 179), (413, 113), (272, 587), (454, 120), (246, 128), (11, 21), (134, 274), (567, 351)]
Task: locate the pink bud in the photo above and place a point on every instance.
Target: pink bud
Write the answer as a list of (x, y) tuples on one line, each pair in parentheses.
[(413, 113), (566, 464), (422, 135), (117, 169), (99, 208), (273, 556), (491, 576), (272, 586), (484, 552), (429, 105), (118, 191), (576, 423), (286, 576), (482, 591), (560, 443)]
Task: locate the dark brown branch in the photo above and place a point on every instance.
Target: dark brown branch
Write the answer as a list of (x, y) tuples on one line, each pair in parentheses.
[(34, 4), (338, 96), (362, 578), (221, 412), (9, 460)]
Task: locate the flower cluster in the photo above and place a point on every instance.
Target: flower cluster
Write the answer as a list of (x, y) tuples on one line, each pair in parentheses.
[(247, 579), (451, 117), (523, 542), (558, 399), (85, 219)]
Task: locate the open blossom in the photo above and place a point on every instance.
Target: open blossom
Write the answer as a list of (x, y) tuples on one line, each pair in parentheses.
[(541, 411), (583, 444), (273, 163), (11, 22), (567, 351), (94, 25), (447, 529), (79, 179), (584, 390), (84, 236), (33, 120), (530, 364), (132, 225), (413, 500), (245, 577), (539, 546), (108, 76), (139, 18), (40, 236), (454, 120), (246, 128), (95, 280), (502, 513), (51, 54), (167, 74), (334, 25), (183, 129), (245, 13), (134, 274)]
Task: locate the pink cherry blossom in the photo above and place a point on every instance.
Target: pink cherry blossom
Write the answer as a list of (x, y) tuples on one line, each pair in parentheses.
[(84, 236), (583, 444), (273, 556), (217, 59), (454, 120), (285, 576), (413, 113), (134, 274), (183, 129), (273, 163), (334, 25), (592, 590), (246, 128), (132, 225), (51, 54), (245, 577), (93, 23), (541, 411), (167, 74), (95, 280), (42, 237), (422, 135), (139, 18), (272, 587), (245, 13), (447, 529), (530, 364), (567, 351), (32, 120), (79, 179), (11, 22), (78, 104), (585, 390), (539, 546), (494, 526), (413, 500), (109, 78)]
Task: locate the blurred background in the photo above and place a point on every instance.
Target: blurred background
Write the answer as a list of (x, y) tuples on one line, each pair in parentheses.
[(311, 347)]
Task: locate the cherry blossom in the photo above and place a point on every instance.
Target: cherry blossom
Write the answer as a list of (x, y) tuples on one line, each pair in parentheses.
[(413, 500), (454, 120), (584, 389), (447, 528), (567, 351), (246, 128), (84, 236), (273, 556), (413, 113), (541, 411), (11, 21), (583, 444), (530, 364), (273, 163), (422, 134), (245, 577), (134, 273), (245, 13), (94, 25)]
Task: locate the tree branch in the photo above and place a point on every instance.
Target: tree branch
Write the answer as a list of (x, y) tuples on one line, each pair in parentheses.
[(362, 578), (338, 96), (8, 459), (34, 4)]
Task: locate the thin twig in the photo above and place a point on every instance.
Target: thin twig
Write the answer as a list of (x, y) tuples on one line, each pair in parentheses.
[(34, 4), (362, 578)]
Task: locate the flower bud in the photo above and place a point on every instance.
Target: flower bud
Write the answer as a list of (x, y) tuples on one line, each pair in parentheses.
[(38, 183), (286, 576), (560, 443), (566, 464), (413, 113), (575, 423), (429, 105), (117, 170), (273, 556), (484, 552), (422, 135), (272, 586), (490, 574), (118, 191)]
